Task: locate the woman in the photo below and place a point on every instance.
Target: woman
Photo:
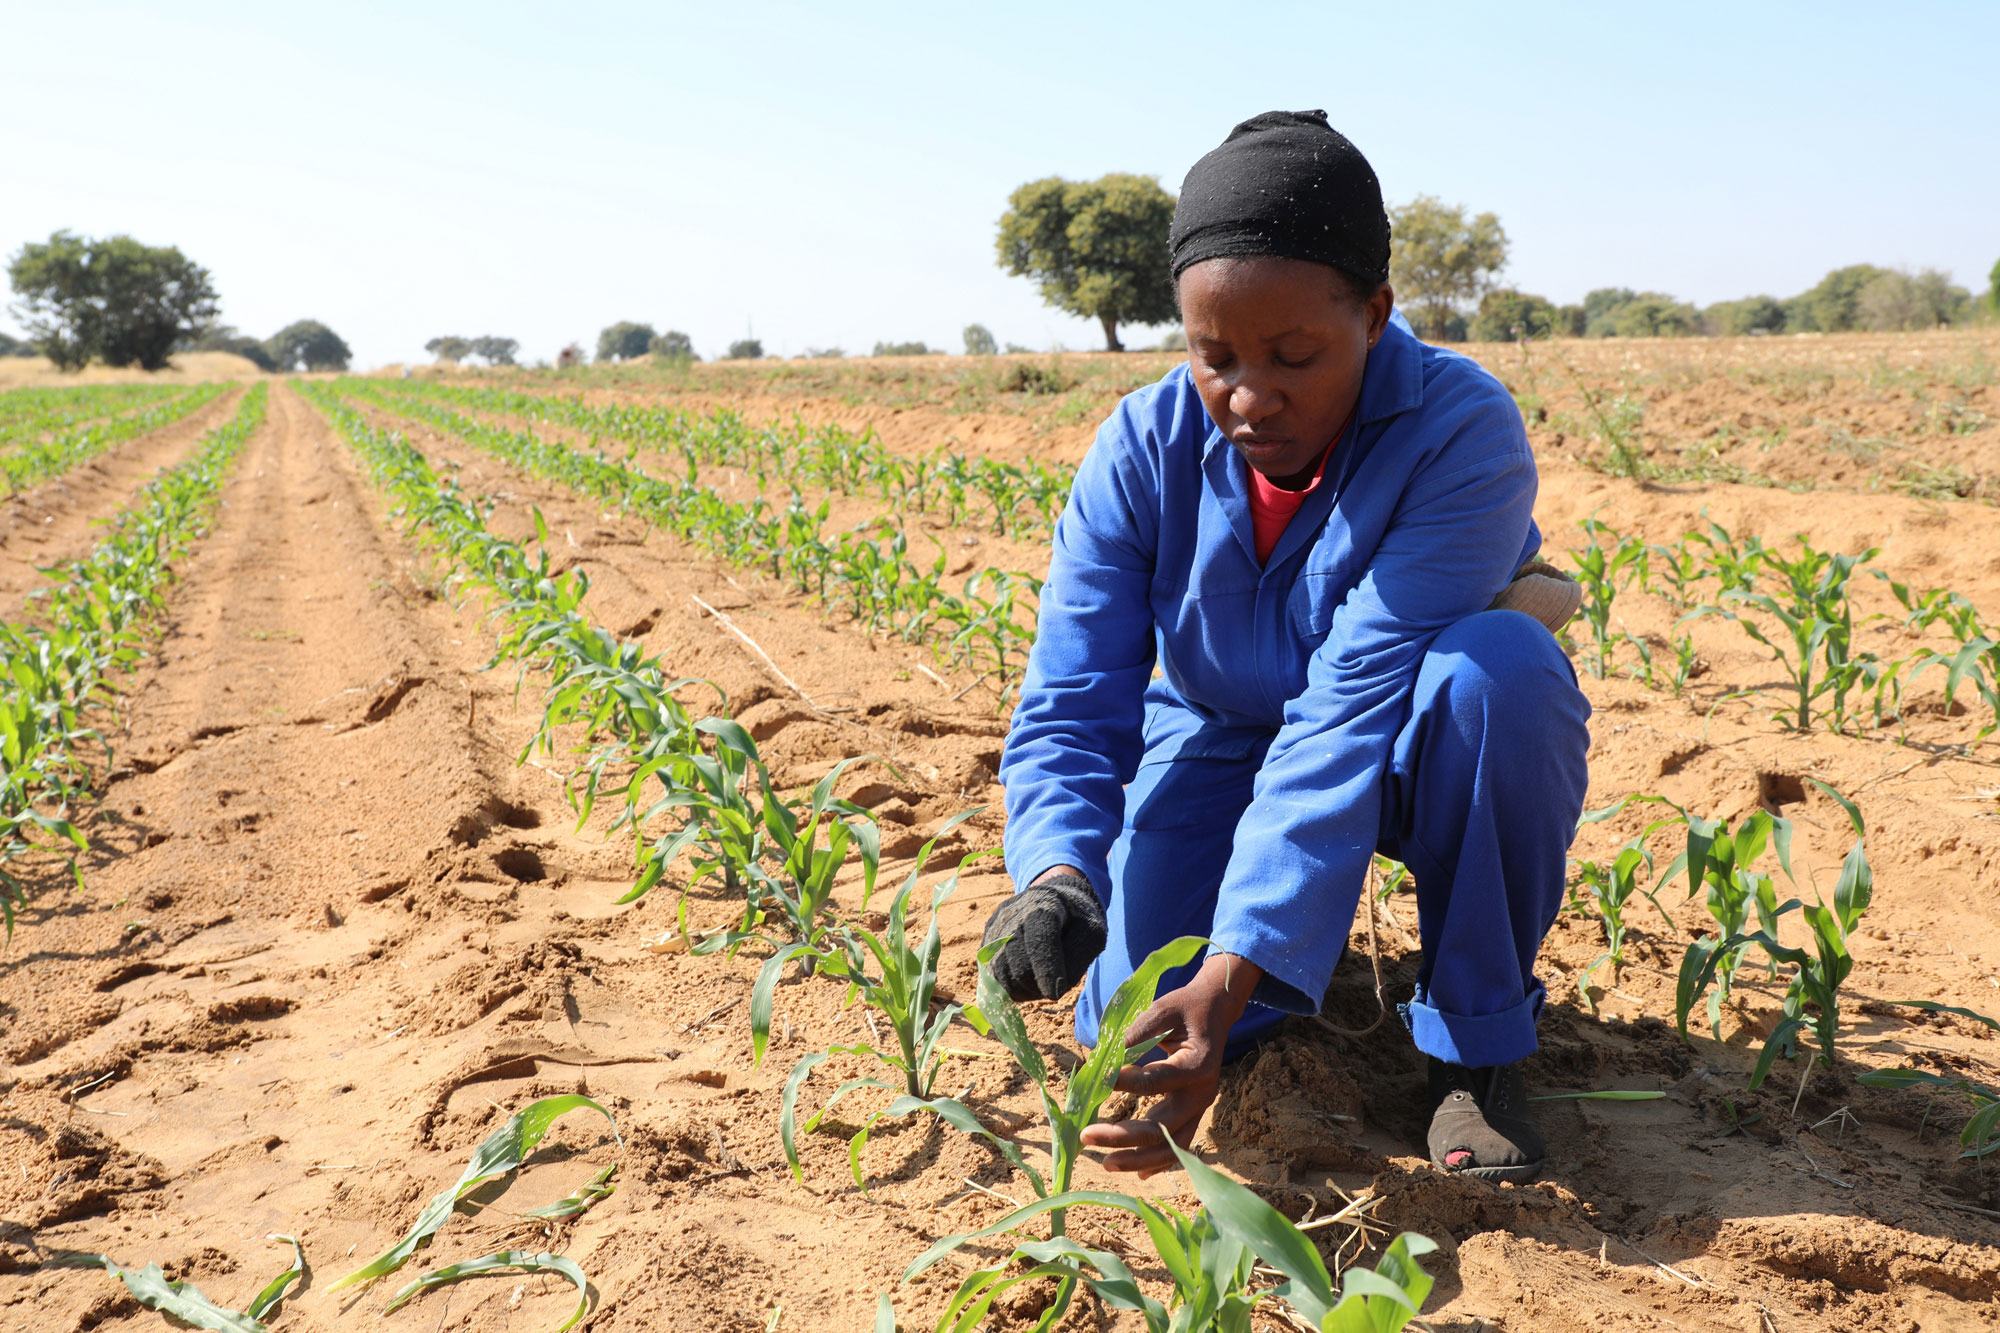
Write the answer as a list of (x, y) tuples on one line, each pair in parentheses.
[(1265, 652)]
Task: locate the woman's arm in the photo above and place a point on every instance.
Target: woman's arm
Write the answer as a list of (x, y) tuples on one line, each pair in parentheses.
[(1075, 739)]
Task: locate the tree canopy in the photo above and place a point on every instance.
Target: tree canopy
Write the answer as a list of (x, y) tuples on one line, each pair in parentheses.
[(308, 343), (1441, 261), (496, 351), (901, 349), (1506, 313), (1749, 314), (979, 341), (1096, 248), (1833, 304), (746, 349), (673, 345), (116, 299), (449, 348), (624, 341), (225, 338)]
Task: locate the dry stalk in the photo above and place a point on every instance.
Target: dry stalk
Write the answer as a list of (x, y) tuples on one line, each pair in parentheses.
[(730, 625), (1374, 960)]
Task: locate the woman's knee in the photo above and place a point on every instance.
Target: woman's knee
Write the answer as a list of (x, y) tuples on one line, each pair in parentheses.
[(1506, 669)]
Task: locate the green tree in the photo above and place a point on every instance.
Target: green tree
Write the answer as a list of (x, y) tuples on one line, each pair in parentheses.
[(624, 341), (1833, 305), (1097, 248), (12, 346), (308, 343), (1569, 321), (979, 341), (116, 299), (1895, 300), (1505, 314), (496, 351), (1653, 315), (745, 349), (1441, 261), (673, 345), (1891, 301), (449, 348), (901, 349), (225, 338), (1749, 314), (1948, 302), (1598, 303), (1993, 287)]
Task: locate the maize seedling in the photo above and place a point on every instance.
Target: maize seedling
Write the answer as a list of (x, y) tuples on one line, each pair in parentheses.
[(182, 1300), (1812, 1000), (491, 1265), (1817, 619), (1209, 1258), (500, 1155)]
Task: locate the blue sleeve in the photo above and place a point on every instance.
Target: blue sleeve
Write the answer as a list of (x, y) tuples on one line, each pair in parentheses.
[(1303, 846), (1075, 739)]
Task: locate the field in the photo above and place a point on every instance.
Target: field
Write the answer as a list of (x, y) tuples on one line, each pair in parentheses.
[(357, 829)]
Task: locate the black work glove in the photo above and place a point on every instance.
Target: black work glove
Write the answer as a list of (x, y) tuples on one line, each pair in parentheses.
[(1053, 928)]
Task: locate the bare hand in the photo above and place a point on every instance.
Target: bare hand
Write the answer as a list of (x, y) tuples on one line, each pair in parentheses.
[(1194, 1023)]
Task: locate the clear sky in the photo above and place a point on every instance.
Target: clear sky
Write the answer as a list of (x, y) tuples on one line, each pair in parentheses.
[(831, 174)]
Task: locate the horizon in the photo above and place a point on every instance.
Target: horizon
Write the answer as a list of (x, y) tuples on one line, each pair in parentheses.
[(471, 172)]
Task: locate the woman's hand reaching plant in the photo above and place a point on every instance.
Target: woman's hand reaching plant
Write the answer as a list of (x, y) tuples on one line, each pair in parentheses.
[(1192, 1025)]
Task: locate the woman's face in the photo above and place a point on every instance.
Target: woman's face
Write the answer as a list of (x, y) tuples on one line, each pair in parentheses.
[(1277, 347)]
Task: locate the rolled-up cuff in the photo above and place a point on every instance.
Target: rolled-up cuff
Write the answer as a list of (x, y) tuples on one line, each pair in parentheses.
[(1474, 1041)]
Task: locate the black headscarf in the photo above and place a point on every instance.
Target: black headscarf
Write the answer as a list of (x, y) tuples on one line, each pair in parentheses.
[(1286, 184)]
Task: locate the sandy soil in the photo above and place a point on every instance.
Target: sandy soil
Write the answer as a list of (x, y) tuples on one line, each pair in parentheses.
[(332, 932)]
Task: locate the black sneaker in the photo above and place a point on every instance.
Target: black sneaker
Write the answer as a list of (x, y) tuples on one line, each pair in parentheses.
[(1480, 1122)]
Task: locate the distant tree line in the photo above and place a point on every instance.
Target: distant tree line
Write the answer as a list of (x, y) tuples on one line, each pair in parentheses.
[(493, 351), (125, 303), (1098, 249), (1856, 297)]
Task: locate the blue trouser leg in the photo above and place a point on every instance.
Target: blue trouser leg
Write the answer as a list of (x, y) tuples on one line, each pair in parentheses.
[(1481, 801), (1180, 822), (1484, 786)]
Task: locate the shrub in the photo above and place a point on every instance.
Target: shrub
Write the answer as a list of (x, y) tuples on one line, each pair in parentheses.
[(1505, 314), (309, 343), (673, 345), (1749, 314), (624, 341)]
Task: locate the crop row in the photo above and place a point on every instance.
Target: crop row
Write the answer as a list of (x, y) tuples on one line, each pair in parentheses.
[(697, 786), (1798, 606), (989, 625), (1793, 604), (1727, 868), (1011, 498), (37, 460), (57, 664), (25, 413), (1813, 979)]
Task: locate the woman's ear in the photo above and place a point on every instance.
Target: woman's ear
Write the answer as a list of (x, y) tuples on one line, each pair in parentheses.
[(1379, 306)]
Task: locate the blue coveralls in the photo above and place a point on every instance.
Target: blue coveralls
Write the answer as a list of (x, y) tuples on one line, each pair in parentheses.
[(1349, 695)]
